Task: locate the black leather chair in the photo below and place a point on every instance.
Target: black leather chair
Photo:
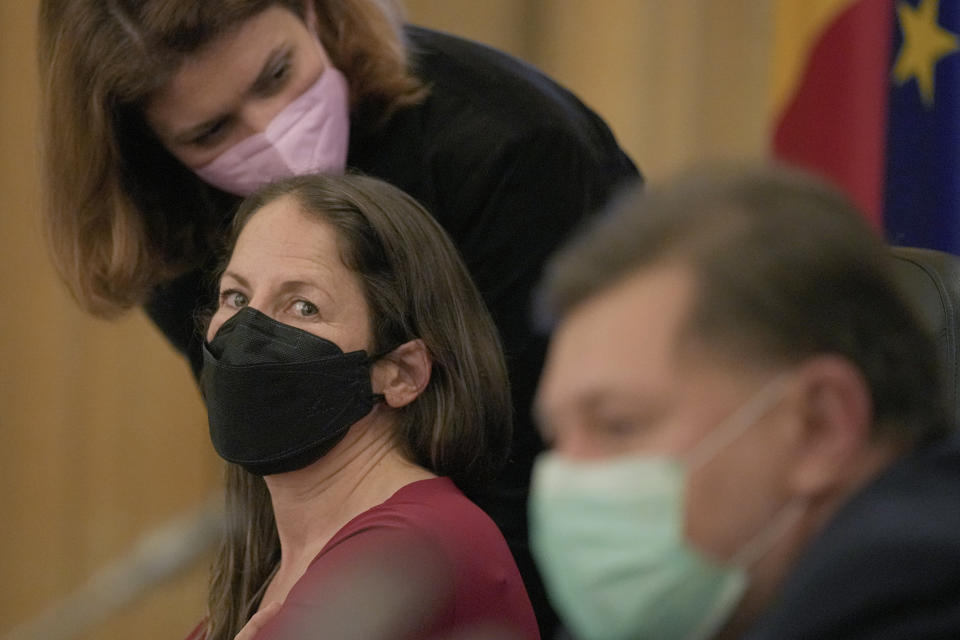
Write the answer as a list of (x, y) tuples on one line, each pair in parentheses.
[(932, 280)]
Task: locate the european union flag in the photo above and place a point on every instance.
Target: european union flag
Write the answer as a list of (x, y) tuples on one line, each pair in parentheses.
[(922, 195), (876, 109)]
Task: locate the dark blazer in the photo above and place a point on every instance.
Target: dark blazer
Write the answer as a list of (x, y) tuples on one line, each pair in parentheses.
[(887, 566)]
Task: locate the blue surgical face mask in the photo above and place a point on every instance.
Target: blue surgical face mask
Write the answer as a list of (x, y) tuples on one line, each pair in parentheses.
[(608, 538)]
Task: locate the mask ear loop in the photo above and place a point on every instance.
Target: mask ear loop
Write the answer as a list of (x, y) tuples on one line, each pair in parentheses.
[(763, 541), (738, 423), (377, 398)]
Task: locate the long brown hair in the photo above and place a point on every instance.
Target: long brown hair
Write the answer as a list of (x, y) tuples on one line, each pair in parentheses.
[(121, 214), (416, 286)]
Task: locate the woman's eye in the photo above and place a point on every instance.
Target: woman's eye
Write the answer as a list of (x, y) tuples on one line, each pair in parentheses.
[(280, 70), (233, 299), (210, 135), (274, 77), (304, 308)]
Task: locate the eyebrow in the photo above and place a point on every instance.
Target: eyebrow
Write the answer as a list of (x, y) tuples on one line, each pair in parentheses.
[(296, 285), (285, 287), (188, 135), (259, 84), (591, 401), (236, 276), (264, 78)]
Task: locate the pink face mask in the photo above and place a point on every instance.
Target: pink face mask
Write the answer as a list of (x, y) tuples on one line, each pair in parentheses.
[(309, 135)]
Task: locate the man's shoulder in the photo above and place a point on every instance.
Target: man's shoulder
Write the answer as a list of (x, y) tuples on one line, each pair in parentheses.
[(887, 565), (914, 501)]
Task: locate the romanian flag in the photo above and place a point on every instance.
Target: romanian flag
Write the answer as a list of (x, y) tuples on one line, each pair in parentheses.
[(865, 92)]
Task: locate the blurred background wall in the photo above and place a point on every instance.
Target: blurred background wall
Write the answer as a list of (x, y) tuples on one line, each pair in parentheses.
[(102, 433)]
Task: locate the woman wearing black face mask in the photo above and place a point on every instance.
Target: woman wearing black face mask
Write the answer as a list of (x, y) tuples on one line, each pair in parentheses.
[(171, 109), (355, 379)]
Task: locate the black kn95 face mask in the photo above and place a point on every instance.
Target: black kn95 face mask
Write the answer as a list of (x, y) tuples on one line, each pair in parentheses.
[(279, 398)]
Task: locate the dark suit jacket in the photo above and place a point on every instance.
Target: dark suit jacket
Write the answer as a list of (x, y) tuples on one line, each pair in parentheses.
[(887, 566)]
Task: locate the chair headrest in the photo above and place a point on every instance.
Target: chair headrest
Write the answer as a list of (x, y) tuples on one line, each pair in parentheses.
[(931, 279)]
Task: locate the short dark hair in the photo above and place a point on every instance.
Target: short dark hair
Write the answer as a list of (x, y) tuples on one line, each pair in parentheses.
[(785, 268)]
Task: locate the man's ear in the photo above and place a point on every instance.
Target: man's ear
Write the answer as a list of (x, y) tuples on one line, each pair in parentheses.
[(402, 374), (835, 417)]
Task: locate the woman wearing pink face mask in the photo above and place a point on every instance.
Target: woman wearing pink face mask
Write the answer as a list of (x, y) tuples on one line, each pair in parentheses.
[(159, 114)]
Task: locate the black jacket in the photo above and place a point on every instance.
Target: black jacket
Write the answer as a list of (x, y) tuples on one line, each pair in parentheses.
[(887, 566)]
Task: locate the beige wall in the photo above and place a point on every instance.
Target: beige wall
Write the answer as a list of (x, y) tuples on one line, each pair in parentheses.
[(679, 82), (102, 434)]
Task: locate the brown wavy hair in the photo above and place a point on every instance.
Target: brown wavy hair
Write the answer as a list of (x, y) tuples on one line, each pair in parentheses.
[(121, 214), (416, 286)]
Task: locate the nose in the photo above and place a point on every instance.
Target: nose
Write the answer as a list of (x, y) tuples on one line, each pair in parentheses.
[(224, 313), (256, 115), (260, 305)]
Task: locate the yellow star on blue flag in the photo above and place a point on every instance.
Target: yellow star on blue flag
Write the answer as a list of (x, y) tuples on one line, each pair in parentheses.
[(922, 191), (925, 43)]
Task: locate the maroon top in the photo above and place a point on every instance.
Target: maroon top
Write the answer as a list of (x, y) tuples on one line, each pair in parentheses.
[(425, 563)]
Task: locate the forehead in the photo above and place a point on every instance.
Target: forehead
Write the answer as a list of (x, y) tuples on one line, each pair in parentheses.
[(622, 339), (282, 232), (222, 70)]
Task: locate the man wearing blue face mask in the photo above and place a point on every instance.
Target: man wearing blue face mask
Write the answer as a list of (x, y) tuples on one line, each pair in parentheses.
[(749, 437)]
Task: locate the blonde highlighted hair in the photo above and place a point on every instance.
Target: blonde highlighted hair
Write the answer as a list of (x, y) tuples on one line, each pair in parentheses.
[(121, 214)]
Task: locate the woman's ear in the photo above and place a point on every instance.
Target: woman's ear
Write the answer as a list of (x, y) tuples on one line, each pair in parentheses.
[(403, 374)]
